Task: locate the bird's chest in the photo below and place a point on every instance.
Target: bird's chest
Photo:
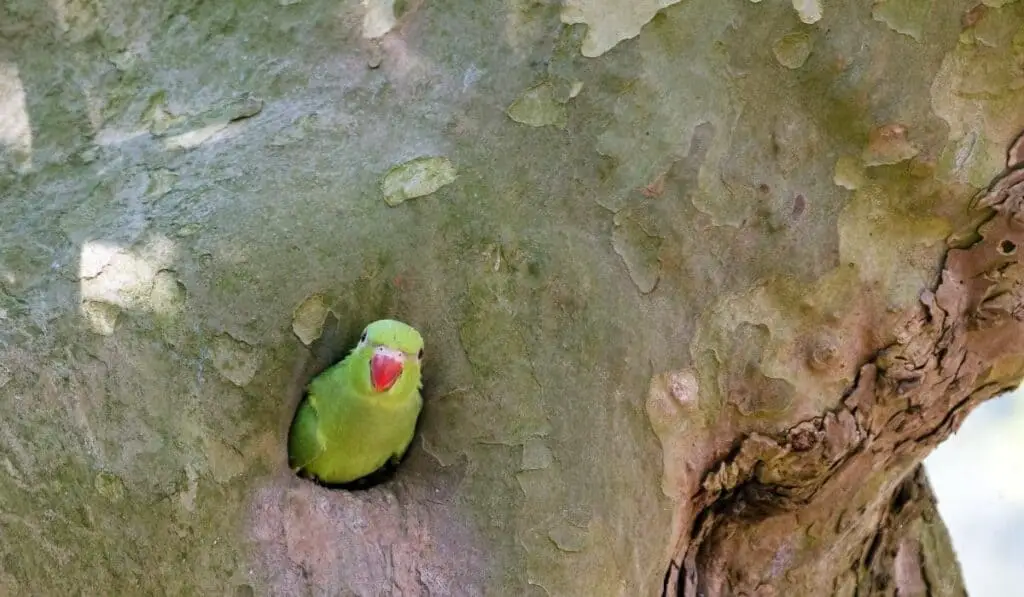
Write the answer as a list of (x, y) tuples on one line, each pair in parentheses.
[(369, 427)]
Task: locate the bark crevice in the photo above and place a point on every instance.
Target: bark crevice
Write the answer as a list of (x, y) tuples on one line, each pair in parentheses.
[(840, 503)]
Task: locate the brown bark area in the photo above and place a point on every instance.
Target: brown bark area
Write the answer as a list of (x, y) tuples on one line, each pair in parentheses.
[(911, 554), (839, 504)]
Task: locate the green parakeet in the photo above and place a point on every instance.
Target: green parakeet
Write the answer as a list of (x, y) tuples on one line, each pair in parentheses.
[(360, 414)]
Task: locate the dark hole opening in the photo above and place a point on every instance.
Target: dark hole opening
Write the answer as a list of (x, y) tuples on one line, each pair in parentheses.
[(1007, 247)]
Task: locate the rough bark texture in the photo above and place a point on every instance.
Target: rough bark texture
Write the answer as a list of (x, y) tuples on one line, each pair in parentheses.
[(832, 505), (701, 284)]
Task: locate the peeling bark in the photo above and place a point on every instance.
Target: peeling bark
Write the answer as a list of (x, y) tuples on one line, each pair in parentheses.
[(839, 504), (911, 554)]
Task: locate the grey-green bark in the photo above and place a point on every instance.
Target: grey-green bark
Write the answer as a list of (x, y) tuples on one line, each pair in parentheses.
[(656, 269)]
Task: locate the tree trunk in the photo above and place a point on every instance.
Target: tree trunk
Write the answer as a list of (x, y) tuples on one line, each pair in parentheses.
[(701, 284)]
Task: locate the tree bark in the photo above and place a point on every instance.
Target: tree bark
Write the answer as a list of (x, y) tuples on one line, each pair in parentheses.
[(836, 505), (701, 285)]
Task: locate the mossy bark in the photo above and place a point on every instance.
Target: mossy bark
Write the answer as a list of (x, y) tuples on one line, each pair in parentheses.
[(701, 284)]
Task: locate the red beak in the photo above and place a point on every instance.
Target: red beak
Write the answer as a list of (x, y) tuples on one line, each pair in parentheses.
[(384, 371)]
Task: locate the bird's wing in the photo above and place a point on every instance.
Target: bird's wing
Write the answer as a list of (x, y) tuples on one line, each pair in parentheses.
[(306, 441)]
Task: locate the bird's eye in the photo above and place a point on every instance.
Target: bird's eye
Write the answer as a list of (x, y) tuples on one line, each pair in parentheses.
[(419, 355), (363, 337)]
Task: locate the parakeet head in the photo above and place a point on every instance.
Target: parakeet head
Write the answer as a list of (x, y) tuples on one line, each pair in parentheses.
[(393, 352)]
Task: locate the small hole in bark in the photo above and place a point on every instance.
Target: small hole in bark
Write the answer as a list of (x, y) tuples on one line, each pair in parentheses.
[(1007, 247), (799, 203)]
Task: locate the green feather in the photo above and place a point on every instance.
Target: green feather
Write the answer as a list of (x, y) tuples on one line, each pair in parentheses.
[(344, 430)]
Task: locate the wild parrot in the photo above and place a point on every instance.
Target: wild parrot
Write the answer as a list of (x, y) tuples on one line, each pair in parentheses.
[(360, 415)]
